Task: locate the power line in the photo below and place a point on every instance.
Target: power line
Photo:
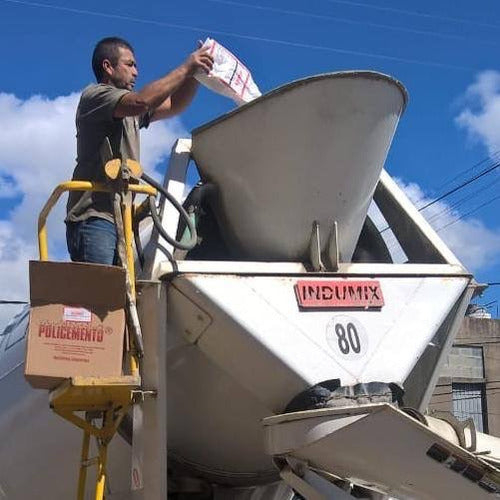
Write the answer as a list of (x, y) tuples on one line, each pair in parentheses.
[(349, 21), (493, 156), (469, 213), (462, 201), (241, 36), (414, 13), (464, 184), (461, 186), (454, 190), (4, 302), (452, 206), (466, 199)]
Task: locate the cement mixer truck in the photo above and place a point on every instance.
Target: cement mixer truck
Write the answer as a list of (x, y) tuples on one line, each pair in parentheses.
[(290, 353)]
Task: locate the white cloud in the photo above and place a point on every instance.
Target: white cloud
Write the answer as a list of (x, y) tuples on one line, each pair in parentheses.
[(157, 140), (480, 118), (14, 256), (475, 245), (37, 151), (481, 114), (7, 188)]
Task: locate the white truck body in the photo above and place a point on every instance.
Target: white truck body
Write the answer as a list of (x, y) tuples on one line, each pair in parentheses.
[(229, 342)]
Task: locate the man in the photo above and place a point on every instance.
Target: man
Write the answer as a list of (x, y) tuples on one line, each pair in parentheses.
[(111, 111)]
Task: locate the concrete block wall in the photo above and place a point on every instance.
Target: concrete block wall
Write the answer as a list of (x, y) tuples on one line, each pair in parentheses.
[(484, 333)]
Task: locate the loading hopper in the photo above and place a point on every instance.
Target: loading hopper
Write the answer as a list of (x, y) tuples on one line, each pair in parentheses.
[(311, 150)]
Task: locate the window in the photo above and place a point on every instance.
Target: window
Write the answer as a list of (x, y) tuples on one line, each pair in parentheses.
[(469, 402), (465, 367)]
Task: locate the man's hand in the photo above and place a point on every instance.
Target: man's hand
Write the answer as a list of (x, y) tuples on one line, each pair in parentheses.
[(199, 59)]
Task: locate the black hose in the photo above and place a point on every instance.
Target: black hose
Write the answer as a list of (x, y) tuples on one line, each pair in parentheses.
[(156, 219), (164, 234), (138, 244), (140, 213)]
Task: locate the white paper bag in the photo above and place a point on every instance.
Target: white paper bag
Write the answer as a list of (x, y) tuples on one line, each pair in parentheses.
[(229, 76)]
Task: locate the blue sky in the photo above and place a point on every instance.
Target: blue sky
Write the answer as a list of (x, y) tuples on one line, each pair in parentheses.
[(439, 50)]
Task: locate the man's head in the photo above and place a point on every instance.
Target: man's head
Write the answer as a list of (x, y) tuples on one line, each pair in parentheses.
[(113, 62)]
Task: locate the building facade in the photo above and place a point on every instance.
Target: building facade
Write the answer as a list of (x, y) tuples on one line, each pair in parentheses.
[(469, 386)]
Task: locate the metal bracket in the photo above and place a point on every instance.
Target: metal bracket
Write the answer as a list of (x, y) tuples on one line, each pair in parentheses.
[(459, 427), (140, 395), (315, 248), (332, 255), (333, 248)]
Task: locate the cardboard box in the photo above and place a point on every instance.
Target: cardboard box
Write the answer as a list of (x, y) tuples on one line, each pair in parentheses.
[(77, 322)]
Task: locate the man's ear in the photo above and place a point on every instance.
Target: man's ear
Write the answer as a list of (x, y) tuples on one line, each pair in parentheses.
[(107, 66)]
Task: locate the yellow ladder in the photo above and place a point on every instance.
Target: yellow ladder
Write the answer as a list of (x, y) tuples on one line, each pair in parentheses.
[(104, 400), (101, 399)]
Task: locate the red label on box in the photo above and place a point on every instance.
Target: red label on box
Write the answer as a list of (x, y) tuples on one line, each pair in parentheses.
[(339, 294), (77, 314)]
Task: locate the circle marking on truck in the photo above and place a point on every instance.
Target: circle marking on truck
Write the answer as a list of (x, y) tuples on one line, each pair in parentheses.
[(347, 337)]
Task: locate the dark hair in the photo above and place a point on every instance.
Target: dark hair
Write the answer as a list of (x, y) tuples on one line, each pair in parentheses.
[(107, 48)]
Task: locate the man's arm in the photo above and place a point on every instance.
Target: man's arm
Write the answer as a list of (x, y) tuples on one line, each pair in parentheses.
[(159, 95), (177, 102)]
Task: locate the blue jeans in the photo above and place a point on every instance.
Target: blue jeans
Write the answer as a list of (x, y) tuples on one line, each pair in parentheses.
[(92, 240)]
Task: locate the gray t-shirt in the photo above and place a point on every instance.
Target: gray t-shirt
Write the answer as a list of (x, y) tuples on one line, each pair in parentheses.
[(95, 123)]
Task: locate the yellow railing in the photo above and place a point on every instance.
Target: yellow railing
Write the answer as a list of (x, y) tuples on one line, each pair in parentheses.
[(80, 186)]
